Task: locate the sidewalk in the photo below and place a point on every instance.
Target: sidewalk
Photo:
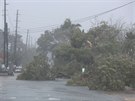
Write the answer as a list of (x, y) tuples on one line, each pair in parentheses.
[(3, 74)]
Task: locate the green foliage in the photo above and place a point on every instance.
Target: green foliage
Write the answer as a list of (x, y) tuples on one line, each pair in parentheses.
[(78, 80), (64, 53), (70, 60), (44, 42), (77, 39), (113, 74), (108, 69), (20, 48), (38, 69), (84, 56), (129, 44), (67, 64), (51, 39), (109, 59)]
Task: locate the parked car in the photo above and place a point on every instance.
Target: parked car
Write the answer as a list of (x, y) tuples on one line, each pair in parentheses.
[(18, 69), (6, 71)]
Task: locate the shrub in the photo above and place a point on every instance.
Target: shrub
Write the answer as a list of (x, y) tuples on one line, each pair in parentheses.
[(113, 73), (38, 69), (78, 80)]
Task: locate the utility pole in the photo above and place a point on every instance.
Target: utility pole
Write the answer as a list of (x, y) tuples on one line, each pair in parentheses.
[(31, 41), (27, 39), (6, 45), (5, 37), (15, 41)]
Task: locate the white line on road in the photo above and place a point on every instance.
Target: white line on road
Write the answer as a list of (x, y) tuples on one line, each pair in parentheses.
[(54, 99), (12, 98), (48, 95)]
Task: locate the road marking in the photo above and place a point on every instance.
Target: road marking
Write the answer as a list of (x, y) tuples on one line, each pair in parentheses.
[(54, 99), (48, 95), (12, 98), (36, 98)]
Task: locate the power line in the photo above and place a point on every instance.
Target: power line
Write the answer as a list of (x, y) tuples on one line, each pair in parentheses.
[(102, 13), (82, 19), (56, 25), (38, 29)]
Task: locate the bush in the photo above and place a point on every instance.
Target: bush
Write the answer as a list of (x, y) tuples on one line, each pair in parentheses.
[(67, 69), (38, 69), (78, 80), (110, 73), (113, 73), (106, 79)]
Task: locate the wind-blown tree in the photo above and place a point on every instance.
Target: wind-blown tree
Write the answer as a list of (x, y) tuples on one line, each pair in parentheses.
[(129, 44), (20, 48), (52, 39), (104, 38), (38, 69), (114, 69), (108, 61), (74, 56), (77, 39), (84, 48), (45, 42)]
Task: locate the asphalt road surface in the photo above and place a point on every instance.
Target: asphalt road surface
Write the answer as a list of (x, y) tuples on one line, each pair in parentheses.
[(16, 90)]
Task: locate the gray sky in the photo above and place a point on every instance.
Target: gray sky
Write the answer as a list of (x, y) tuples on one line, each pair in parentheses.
[(42, 13)]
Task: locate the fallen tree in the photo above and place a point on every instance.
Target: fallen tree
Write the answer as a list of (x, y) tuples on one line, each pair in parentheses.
[(38, 69)]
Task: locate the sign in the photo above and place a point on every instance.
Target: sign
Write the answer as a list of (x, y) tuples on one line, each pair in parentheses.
[(83, 70)]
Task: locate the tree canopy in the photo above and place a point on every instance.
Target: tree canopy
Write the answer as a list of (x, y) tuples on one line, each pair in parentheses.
[(108, 60)]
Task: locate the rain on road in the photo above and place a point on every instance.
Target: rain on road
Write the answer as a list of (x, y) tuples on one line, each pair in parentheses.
[(16, 90)]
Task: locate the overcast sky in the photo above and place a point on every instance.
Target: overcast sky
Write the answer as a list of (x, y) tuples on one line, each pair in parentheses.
[(42, 13)]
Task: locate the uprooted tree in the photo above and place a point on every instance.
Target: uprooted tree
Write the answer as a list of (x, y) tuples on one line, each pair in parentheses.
[(107, 56)]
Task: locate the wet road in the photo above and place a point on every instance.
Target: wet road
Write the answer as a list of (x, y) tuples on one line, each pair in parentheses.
[(15, 90)]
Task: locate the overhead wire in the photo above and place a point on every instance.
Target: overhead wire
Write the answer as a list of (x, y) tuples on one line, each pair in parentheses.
[(81, 19), (102, 13)]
